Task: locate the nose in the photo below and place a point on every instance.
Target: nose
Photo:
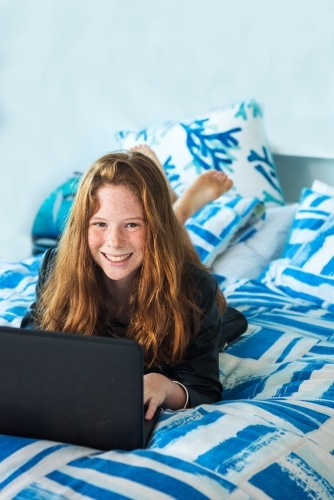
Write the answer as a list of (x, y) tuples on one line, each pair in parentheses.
[(115, 237)]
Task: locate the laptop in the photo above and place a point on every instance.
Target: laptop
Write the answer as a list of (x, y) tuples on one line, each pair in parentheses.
[(83, 390)]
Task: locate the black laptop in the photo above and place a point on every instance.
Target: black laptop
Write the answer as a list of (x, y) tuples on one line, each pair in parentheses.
[(74, 389)]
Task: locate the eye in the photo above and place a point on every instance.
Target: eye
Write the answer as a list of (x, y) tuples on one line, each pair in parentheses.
[(131, 224), (100, 224)]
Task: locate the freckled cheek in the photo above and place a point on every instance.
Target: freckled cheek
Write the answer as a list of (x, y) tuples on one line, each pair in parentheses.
[(140, 241), (94, 240)]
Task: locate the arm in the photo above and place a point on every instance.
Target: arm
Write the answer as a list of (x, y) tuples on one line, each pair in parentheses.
[(29, 319), (199, 372), (161, 391)]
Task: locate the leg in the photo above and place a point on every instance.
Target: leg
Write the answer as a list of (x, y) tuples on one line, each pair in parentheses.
[(207, 187)]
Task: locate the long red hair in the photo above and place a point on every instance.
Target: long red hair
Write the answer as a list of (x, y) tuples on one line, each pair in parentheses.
[(164, 314)]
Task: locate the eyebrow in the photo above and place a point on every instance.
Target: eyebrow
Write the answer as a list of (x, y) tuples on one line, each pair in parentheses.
[(127, 218)]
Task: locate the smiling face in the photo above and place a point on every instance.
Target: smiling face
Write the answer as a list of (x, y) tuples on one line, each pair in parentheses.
[(116, 235)]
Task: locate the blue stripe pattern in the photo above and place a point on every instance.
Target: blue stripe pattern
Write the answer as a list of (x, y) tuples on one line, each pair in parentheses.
[(314, 210), (222, 222), (309, 274), (272, 434)]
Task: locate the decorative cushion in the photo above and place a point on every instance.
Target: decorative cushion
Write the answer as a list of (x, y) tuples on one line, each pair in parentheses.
[(52, 215), (231, 140), (317, 256), (314, 210), (309, 274), (225, 221)]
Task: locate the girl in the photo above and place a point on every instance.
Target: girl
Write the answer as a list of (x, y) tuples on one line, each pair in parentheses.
[(125, 267)]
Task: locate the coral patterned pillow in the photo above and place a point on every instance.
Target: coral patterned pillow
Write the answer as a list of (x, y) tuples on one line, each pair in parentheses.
[(231, 140)]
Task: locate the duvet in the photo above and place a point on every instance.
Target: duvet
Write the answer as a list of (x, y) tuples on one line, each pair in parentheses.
[(272, 435)]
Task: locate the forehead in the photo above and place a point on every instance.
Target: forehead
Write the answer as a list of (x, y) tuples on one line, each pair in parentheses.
[(118, 199)]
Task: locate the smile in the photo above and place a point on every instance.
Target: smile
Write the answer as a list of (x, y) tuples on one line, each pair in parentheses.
[(117, 258)]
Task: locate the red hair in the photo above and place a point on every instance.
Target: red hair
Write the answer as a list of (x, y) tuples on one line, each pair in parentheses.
[(163, 310)]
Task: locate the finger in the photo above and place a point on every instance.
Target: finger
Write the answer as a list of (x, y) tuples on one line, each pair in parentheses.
[(151, 409)]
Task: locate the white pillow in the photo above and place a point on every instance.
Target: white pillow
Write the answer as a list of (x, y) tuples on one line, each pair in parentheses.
[(322, 187), (246, 260), (232, 140)]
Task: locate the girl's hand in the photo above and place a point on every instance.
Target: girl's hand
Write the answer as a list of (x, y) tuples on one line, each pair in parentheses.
[(160, 390)]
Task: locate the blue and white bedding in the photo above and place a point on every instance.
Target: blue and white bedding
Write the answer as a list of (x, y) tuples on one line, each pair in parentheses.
[(272, 436)]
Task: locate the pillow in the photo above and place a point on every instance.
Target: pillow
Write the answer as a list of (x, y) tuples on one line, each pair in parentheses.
[(314, 210), (231, 140), (309, 275), (317, 255), (220, 222), (52, 215), (322, 187), (247, 259)]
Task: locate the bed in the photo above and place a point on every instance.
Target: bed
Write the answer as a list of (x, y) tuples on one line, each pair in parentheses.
[(272, 435)]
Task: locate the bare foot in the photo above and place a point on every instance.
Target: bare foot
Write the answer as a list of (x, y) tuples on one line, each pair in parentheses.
[(147, 151), (207, 187)]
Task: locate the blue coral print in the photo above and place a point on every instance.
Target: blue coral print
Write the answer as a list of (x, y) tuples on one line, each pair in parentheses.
[(141, 136), (266, 167), (251, 105), (173, 176), (211, 150)]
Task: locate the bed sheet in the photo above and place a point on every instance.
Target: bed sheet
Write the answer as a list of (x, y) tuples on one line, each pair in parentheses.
[(272, 435)]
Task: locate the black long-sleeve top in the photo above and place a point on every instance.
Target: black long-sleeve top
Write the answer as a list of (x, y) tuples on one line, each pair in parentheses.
[(199, 370)]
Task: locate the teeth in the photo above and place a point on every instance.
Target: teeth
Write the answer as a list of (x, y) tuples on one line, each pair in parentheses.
[(117, 259)]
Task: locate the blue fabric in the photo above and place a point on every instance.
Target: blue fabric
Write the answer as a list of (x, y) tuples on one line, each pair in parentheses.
[(272, 434), (309, 274), (314, 210), (223, 222)]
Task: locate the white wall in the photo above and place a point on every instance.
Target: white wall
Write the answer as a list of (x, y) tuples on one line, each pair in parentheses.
[(72, 72)]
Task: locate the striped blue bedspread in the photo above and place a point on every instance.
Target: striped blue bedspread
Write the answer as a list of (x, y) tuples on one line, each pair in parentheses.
[(272, 436)]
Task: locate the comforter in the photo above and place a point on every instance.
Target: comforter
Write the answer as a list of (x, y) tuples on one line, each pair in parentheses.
[(272, 435)]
